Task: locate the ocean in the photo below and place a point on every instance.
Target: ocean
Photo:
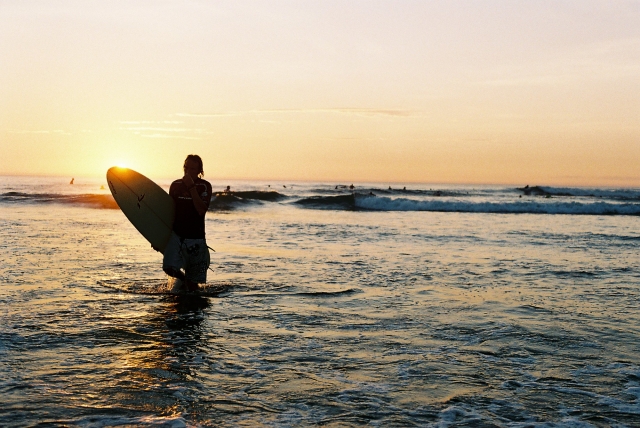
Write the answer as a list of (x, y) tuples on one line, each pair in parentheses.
[(383, 305)]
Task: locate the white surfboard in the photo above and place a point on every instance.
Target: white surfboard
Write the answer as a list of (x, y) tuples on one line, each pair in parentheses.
[(147, 206)]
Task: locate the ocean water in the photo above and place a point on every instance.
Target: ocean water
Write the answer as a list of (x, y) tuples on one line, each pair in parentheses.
[(419, 305)]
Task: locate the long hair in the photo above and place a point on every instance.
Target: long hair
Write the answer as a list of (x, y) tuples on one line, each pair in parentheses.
[(198, 159)]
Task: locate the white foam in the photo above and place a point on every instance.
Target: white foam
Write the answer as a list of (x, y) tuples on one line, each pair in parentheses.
[(382, 203), (593, 192)]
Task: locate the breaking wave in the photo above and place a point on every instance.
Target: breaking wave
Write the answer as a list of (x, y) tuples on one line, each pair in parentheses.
[(522, 200), (519, 207), (92, 200), (617, 194), (230, 200), (343, 202)]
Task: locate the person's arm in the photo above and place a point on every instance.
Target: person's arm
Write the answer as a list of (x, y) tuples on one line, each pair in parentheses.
[(200, 205)]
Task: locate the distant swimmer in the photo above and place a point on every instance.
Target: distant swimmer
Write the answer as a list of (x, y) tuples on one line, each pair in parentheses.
[(228, 189), (284, 186), (352, 187), (71, 182), (390, 188)]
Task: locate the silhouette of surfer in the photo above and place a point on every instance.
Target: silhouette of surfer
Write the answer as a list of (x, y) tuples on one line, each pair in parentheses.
[(71, 182), (186, 256)]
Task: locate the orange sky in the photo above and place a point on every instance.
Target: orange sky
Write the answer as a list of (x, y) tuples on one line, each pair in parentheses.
[(544, 92)]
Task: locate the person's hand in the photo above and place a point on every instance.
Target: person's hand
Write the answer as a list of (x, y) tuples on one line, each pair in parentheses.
[(188, 181)]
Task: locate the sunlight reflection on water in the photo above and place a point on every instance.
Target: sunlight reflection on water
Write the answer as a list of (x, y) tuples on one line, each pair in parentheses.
[(322, 317)]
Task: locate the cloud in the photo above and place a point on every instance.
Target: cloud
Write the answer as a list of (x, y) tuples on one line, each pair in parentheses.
[(373, 112), (172, 137), (150, 122), (159, 129), (347, 111), (54, 131)]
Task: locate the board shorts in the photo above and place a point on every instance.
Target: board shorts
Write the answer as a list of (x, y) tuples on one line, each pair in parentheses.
[(192, 255)]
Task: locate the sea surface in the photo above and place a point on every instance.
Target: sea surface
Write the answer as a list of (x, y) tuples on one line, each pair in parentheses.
[(390, 305)]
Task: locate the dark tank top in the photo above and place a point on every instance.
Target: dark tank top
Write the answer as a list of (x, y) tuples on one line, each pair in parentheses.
[(188, 223)]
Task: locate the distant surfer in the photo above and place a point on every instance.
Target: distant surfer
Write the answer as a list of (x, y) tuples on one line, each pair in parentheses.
[(228, 189), (187, 248), (71, 182)]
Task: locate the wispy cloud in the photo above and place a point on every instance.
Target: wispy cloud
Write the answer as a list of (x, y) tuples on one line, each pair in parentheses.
[(25, 131), (374, 112), (172, 137), (211, 114), (161, 129), (151, 122), (346, 111), (158, 129)]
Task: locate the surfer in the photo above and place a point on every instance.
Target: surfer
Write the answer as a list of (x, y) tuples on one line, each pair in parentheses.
[(187, 247)]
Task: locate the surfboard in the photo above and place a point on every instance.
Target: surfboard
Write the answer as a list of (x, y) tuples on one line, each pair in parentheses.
[(147, 206)]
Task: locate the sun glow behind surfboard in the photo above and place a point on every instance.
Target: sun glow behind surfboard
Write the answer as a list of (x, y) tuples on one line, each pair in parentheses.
[(121, 164)]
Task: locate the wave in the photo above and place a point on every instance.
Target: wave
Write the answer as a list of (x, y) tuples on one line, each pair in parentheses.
[(555, 201), (520, 207), (615, 194), (340, 202), (221, 201), (230, 200), (630, 194), (89, 199), (258, 195), (349, 201), (341, 190)]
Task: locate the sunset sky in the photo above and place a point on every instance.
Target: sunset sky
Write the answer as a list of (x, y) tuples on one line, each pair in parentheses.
[(520, 92)]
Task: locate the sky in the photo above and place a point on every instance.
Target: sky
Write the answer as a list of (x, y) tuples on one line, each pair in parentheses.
[(514, 92)]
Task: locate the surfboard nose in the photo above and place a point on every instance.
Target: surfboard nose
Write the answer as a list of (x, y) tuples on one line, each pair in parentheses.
[(116, 168)]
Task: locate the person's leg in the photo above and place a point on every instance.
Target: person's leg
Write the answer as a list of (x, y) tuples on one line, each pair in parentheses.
[(173, 261), (197, 263)]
